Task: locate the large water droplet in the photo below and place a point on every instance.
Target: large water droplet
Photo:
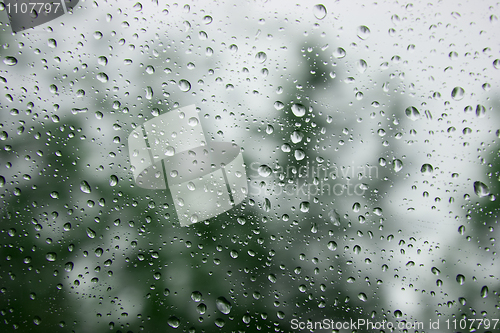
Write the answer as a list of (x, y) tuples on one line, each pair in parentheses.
[(332, 246), (51, 256), (298, 110), (261, 57), (149, 93), (173, 322), (496, 63), (426, 169), (412, 113), (184, 85), (196, 296), (484, 292), (363, 32), (10, 61), (480, 111), (460, 279), (457, 93), (362, 297), (481, 189), (397, 165), (90, 233), (339, 53), (264, 171), (102, 77), (362, 65), (223, 305), (85, 187), (334, 217), (319, 11)]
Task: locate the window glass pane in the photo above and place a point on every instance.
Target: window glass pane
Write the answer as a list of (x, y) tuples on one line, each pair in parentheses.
[(250, 166)]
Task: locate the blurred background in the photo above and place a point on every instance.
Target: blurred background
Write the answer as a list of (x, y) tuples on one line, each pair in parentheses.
[(370, 133)]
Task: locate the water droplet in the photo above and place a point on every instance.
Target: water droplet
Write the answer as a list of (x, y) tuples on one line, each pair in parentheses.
[(196, 296), (427, 169), (363, 32), (184, 85), (460, 279), (334, 217), (481, 189), (150, 69), (10, 61), (201, 308), (233, 48), (85, 187), (412, 113), (332, 246), (496, 63), (484, 292), (51, 256), (223, 305), (113, 180), (68, 267), (461, 230), (261, 57), (362, 297), (90, 233), (207, 19), (319, 11), (457, 93), (279, 105), (173, 322), (397, 165), (304, 206), (149, 93), (362, 66), (138, 7), (267, 205), (102, 77), (102, 60), (480, 111), (272, 278), (339, 53), (398, 314), (299, 154), (264, 171), (435, 271), (298, 110)]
